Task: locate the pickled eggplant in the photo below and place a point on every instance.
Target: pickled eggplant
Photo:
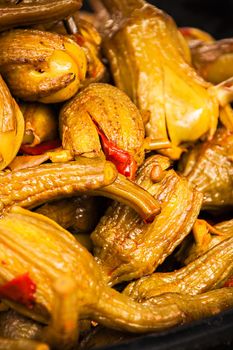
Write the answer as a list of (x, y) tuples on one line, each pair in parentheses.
[(128, 248), (103, 114), (181, 104), (32, 187), (11, 126), (41, 66), (209, 271), (37, 281), (209, 167)]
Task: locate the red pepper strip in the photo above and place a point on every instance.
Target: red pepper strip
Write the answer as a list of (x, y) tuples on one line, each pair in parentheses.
[(185, 31), (41, 148), (123, 161), (21, 290), (229, 282), (79, 39)]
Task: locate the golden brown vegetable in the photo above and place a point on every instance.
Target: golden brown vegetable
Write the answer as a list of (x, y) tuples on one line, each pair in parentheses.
[(192, 307), (41, 66), (125, 246), (104, 109), (26, 12), (11, 126), (195, 307), (148, 62), (209, 271), (40, 123), (80, 214), (34, 186), (86, 35), (209, 166), (68, 282)]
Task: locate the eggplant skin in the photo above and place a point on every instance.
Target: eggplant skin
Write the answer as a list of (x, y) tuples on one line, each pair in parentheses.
[(207, 272), (41, 66), (110, 109), (126, 247), (147, 60), (210, 168), (28, 12)]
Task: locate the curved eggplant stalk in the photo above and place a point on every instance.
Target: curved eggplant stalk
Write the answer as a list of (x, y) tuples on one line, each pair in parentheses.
[(31, 187), (34, 186), (11, 126), (132, 195)]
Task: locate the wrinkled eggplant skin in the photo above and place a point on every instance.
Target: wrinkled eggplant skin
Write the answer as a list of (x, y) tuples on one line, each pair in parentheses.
[(196, 306), (210, 168), (15, 13), (33, 235), (41, 66), (126, 247), (34, 186), (112, 111), (192, 279)]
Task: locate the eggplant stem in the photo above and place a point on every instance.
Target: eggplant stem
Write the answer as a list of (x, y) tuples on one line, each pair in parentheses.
[(156, 144), (129, 193), (62, 331)]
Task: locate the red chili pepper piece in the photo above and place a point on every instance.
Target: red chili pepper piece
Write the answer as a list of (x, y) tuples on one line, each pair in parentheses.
[(21, 290), (185, 31), (123, 161), (229, 282), (41, 148), (79, 39)]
